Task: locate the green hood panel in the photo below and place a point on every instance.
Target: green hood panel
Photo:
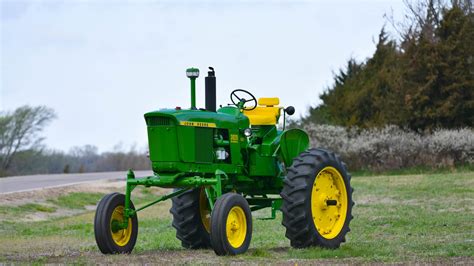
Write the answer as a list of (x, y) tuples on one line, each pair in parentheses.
[(201, 118)]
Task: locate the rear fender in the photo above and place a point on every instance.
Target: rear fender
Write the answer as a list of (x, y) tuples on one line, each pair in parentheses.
[(292, 143)]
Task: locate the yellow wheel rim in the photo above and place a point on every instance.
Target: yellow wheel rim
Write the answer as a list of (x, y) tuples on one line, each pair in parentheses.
[(204, 210), (236, 227), (122, 236), (329, 202)]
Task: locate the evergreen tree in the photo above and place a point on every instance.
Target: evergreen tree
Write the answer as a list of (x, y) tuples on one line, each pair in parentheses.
[(425, 82)]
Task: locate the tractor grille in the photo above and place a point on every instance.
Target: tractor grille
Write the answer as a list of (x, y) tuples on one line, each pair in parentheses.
[(158, 121), (162, 139)]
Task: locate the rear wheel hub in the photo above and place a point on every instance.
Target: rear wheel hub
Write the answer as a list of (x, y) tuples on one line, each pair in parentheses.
[(329, 202)]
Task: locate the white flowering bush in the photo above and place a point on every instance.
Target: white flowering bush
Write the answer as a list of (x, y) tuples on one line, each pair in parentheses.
[(391, 148)]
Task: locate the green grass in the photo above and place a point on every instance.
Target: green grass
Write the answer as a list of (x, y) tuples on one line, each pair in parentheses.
[(77, 200), (416, 171), (407, 218), (25, 209)]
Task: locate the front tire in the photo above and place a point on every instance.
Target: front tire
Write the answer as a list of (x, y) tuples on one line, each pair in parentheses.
[(231, 225), (317, 200), (110, 210)]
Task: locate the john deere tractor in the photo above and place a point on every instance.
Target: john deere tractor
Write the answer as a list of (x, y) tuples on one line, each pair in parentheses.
[(224, 164)]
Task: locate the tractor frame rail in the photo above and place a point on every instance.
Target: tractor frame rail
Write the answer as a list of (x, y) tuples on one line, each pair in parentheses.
[(212, 186)]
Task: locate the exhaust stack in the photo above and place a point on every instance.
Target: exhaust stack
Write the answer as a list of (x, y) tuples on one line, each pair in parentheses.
[(210, 84)]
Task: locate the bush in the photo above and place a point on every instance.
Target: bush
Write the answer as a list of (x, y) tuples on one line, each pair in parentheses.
[(391, 148)]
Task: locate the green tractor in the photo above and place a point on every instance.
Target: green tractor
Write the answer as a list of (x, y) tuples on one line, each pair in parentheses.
[(223, 165)]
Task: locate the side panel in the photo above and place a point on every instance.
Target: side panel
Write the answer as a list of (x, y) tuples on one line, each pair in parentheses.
[(262, 165), (196, 144), (186, 143), (204, 150)]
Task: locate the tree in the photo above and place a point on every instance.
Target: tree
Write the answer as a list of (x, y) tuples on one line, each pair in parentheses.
[(364, 94), (20, 130), (456, 33), (439, 70), (81, 169), (331, 111), (66, 169), (425, 82)]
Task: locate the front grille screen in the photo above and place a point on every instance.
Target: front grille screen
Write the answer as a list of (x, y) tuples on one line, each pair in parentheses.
[(204, 150), (158, 121)]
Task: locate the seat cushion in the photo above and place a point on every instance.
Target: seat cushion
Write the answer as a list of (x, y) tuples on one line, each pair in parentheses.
[(261, 116)]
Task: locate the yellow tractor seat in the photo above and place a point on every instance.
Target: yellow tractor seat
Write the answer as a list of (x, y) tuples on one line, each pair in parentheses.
[(267, 113)]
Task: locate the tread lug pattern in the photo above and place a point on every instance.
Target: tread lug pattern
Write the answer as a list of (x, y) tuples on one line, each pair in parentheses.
[(297, 217), (187, 221)]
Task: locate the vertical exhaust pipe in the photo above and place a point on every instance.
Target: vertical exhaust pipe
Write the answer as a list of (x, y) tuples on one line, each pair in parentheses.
[(210, 84)]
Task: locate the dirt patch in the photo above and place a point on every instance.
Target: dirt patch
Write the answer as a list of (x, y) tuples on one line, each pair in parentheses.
[(403, 180), (173, 257), (372, 199), (456, 204), (43, 216)]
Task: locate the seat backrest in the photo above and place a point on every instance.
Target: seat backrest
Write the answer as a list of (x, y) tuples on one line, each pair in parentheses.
[(269, 102)]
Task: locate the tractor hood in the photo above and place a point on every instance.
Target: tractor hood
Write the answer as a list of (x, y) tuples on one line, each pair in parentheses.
[(189, 136), (197, 118)]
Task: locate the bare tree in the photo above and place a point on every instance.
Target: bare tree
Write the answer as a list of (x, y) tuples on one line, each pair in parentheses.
[(20, 130), (421, 19)]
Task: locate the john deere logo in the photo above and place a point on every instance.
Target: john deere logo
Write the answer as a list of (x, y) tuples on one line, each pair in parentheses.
[(197, 124), (234, 138)]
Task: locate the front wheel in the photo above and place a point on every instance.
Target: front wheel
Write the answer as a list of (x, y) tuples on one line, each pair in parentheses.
[(109, 236), (317, 200), (231, 225)]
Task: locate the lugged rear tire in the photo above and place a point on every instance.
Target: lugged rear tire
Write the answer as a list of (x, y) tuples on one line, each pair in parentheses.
[(307, 214), (190, 229)]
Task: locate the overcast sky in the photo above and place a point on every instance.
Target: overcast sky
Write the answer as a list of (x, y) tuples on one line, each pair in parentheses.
[(102, 64)]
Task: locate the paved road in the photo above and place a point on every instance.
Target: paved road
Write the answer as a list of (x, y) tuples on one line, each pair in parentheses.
[(31, 182)]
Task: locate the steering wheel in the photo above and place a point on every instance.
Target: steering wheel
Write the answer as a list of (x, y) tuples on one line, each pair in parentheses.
[(236, 100)]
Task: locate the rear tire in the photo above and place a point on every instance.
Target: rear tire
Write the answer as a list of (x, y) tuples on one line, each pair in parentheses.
[(111, 209), (191, 218), (317, 200), (231, 225)]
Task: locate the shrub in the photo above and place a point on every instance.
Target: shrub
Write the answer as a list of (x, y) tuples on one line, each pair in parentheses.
[(391, 147)]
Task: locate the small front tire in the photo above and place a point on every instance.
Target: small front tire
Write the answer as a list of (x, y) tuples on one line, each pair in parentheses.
[(231, 225), (110, 210)]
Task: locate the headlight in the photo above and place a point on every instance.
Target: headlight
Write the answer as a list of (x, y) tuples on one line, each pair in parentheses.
[(248, 132), (192, 72)]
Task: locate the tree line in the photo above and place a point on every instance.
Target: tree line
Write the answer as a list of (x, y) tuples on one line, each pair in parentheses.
[(22, 151), (422, 80)]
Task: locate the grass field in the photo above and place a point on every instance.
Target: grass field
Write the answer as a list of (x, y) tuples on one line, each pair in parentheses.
[(405, 218)]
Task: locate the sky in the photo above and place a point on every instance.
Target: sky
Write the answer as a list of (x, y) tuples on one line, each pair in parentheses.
[(102, 64)]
